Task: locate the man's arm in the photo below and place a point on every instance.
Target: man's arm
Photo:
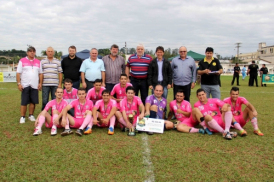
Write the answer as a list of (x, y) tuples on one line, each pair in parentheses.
[(18, 79), (83, 80), (169, 75), (41, 77), (149, 76), (147, 109), (112, 112), (252, 108), (94, 114), (127, 72), (60, 80), (103, 78)]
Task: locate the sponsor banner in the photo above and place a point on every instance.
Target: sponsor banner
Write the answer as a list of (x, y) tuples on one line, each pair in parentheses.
[(268, 79), (8, 76)]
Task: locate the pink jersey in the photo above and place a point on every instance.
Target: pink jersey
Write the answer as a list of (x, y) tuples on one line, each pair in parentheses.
[(129, 108), (212, 104), (185, 106), (55, 106), (105, 111), (237, 108), (79, 109), (92, 95), (70, 96), (120, 91)]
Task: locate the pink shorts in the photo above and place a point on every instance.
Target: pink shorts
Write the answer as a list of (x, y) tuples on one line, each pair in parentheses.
[(219, 121), (189, 121), (240, 120), (51, 124), (78, 122)]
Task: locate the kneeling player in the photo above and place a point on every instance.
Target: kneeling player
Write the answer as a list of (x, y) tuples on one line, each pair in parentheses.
[(182, 111), (107, 108), (242, 117), (216, 121), (82, 115), (56, 105)]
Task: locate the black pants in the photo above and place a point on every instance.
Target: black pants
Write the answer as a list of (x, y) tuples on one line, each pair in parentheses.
[(109, 86), (89, 85), (140, 84), (186, 89), (237, 77), (252, 78)]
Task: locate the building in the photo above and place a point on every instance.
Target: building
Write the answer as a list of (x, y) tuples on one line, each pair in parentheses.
[(266, 53)]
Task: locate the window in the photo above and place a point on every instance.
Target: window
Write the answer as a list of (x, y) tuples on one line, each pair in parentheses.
[(271, 50)]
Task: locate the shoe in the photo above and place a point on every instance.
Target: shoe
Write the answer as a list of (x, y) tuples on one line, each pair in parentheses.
[(207, 131), (87, 131), (227, 136), (124, 129), (22, 120), (201, 131), (243, 133), (258, 132), (31, 118), (233, 134), (110, 131), (150, 133), (66, 132), (37, 131), (79, 132), (53, 131)]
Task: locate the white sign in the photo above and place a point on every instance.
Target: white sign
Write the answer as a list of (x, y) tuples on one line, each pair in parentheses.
[(150, 124), (8, 76)]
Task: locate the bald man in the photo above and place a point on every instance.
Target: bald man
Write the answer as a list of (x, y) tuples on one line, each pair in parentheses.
[(52, 76)]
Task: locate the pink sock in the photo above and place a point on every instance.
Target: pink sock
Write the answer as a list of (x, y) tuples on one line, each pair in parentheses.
[(214, 125), (112, 122), (122, 121), (54, 116), (86, 122), (41, 121), (67, 125), (237, 126), (193, 130), (254, 123), (203, 124), (228, 120)]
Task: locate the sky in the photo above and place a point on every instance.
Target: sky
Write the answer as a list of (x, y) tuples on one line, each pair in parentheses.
[(195, 24)]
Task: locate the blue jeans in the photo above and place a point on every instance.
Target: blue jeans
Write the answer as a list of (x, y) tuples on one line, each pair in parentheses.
[(164, 94), (140, 84), (214, 90), (45, 94), (76, 84)]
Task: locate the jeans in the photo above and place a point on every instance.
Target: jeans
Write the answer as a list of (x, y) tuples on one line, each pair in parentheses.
[(164, 94), (214, 90), (186, 89), (46, 90), (76, 84), (89, 85), (109, 86), (140, 84)]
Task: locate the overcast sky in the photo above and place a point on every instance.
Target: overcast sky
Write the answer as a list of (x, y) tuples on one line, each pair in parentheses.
[(171, 23)]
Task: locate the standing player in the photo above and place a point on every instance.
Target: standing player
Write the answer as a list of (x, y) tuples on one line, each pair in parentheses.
[(82, 117), (56, 105), (107, 108), (95, 93), (182, 111), (242, 117), (210, 108)]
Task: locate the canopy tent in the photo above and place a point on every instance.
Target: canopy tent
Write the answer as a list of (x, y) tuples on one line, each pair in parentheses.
[(194, 55), (84, 54)]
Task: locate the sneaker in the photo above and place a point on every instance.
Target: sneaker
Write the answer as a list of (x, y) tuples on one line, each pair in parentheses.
[(53, 131), (31, 118), (150, 133), (124, 129), (37, 131), (207, 131), (22, 120), (110, 131), (258, 132), (233, 134), (201, 131), (227, 135), (66, 132), (79, 132), (243, 133), (87, 131)]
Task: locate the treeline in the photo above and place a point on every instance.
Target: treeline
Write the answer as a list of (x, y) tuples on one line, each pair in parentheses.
[(13, 53)]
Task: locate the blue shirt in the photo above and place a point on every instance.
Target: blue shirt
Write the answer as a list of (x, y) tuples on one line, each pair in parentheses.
[(184, 71), (160, 68), (92, 69)]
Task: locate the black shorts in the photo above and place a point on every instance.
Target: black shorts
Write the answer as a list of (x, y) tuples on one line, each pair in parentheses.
[(29, 95)]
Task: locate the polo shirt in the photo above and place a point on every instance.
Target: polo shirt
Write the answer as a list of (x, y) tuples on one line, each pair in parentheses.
[(264, 70), (253, 68), (71, 68), (114, 68), (236, 68), (210, 79), (51, 69), (92, 69), (139, 66)]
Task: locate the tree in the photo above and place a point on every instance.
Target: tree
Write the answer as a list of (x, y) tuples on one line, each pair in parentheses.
[(132, 50), (104, 52), (57, 54)]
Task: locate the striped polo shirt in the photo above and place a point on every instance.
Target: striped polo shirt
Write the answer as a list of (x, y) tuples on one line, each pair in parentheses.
[(51, 70), (139, 66)]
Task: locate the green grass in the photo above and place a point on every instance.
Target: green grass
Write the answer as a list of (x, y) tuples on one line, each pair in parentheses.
[(99, 157)]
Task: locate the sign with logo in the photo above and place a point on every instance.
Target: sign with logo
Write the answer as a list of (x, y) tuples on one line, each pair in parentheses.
[(268, 79), (8, 76), (150, 124)]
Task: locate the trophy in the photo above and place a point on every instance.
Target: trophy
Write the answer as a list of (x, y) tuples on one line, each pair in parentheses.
[(131, 131)]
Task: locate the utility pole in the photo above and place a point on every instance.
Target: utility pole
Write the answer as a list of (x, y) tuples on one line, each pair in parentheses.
[(125, 48), (238, 46)]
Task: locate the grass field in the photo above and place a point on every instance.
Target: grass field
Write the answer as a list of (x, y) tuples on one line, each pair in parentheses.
[(171, 156)]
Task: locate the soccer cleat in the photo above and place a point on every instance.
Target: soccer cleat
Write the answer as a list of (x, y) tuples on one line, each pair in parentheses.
[(31, 118), (243, 133), (22, 120), (233, 134), (66, 132), (258, 132), (79, 132), (53, 131), (37, 131), (201, 131), (207, 131), (87, 131), (110, 131), (227, 135)]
